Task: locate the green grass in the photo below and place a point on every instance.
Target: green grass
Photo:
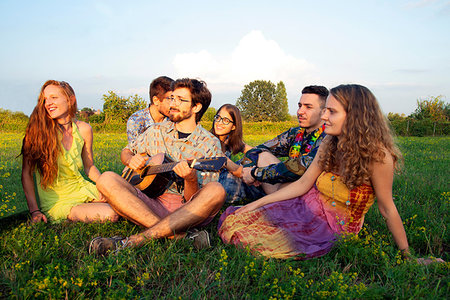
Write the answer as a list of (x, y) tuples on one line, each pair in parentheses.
[(51, 260)]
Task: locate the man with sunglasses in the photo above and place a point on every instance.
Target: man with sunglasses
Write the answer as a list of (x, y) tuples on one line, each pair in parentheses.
[(181, 208), (157, 111)]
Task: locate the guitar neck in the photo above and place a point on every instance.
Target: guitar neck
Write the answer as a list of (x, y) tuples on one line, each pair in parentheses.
[(160, 168), (212, 164)]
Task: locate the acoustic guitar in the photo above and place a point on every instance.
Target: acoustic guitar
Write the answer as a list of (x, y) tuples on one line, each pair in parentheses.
[(156, 176)]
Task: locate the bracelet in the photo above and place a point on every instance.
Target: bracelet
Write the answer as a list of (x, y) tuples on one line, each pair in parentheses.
[(252, 172), (31, 213)]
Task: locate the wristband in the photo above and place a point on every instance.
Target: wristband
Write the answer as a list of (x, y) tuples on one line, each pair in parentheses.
[(31, 213)]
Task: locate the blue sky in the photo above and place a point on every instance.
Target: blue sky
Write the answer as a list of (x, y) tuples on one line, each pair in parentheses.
[(398, 49)]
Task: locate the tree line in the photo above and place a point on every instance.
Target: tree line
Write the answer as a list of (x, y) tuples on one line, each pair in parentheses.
[(259, 101)]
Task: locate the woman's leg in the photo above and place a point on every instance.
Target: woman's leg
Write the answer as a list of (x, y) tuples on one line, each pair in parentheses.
[(93, 212)]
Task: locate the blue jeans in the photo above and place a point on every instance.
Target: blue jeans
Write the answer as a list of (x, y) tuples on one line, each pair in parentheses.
[(238, 190)]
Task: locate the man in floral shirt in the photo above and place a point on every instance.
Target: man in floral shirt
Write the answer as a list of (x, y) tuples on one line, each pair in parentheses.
[(299, 145), (156, 112)]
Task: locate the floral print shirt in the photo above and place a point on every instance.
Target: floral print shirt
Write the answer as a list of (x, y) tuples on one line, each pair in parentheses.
[(138, 123), (299, 147)]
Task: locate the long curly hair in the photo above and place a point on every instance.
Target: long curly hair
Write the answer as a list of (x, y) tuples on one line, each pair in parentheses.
[(41, 145), (234, 142), (365, 138)]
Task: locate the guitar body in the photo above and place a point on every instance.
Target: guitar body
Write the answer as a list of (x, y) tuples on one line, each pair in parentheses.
[(157, 175), (152, 185)]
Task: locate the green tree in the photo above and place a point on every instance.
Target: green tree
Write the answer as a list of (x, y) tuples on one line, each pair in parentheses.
[(396, 116), (209, 114), (118, 108), (434, 109), (261, 100), (282, 114)]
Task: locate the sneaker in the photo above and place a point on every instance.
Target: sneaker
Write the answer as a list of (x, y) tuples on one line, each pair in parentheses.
[(102, 246), (200, 238)]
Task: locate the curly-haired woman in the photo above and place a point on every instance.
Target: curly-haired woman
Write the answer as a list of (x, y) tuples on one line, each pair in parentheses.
[(355, 164), (55, 147)]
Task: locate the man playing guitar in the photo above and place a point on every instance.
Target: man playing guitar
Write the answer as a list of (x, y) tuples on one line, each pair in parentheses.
[(176, 211)]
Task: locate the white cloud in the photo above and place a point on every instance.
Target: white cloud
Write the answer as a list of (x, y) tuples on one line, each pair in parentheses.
[(254, 58)]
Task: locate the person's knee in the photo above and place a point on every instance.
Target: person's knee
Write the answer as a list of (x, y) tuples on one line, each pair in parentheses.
[(105, 180), (266, 158), (216, 192)]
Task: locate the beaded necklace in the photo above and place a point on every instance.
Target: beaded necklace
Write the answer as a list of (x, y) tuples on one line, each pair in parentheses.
[(333, 203), (304, 142)]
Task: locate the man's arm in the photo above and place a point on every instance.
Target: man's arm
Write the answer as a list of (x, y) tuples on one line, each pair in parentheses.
[(189, 175), (279, 146), (287, 171)]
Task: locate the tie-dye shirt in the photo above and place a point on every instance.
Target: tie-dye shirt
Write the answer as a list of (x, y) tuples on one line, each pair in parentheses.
[(163, 138), (299, 153)]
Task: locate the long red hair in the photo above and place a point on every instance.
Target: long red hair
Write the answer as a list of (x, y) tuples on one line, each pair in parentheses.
[(41, 145)]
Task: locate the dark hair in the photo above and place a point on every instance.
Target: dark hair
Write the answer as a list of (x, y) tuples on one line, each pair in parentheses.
[(319, 90), (234, 142), (159, 87), (199, 93)]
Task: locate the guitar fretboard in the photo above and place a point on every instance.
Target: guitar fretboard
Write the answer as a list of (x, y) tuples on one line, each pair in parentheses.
[(160, 168)]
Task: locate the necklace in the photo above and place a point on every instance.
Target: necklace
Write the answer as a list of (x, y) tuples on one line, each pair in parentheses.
[(341, 221), (70, 121), (304, 142)]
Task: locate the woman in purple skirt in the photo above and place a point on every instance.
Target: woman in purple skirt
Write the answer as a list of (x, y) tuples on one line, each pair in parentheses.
[(355, 164)]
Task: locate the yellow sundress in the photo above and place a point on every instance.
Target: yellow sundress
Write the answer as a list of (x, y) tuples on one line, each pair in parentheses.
[(69, 188)]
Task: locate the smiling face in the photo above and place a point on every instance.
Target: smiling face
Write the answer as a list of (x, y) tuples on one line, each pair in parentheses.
[(56, 102), (180, 105), (309, 112), (334, 116), (221, 129)]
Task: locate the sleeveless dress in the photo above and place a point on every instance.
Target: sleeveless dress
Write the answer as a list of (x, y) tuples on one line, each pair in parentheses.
[(303, 227), (69, 188)]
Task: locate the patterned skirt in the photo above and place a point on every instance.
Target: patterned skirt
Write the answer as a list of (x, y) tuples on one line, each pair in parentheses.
[(293, 228)]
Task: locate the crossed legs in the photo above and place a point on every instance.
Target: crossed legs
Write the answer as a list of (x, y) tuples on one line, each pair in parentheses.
[(123, 199)]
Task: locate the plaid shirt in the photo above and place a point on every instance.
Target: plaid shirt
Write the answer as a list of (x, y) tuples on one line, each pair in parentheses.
[(281, 146), (163, 138)]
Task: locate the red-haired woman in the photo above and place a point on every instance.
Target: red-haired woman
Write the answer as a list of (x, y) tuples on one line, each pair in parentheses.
[(355, 164), (55, 147)]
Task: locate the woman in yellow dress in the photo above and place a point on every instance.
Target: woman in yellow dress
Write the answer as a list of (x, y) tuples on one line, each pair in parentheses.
[(55, 147)]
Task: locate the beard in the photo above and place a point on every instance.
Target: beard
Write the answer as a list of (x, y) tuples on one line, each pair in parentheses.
[(178, 116)]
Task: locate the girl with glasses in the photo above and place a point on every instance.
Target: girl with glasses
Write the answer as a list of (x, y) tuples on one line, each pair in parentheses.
[(227, 127), (56, 145)]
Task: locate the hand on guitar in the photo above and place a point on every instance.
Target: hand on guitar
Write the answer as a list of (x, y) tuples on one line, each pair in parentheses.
[(183, 170), (137, 162), (189, 175)]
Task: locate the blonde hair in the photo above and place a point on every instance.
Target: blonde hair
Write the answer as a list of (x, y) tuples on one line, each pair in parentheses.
[(365, 138)]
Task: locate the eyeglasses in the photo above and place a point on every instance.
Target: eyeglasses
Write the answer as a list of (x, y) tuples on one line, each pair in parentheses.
[(224, 120), (178, 100)]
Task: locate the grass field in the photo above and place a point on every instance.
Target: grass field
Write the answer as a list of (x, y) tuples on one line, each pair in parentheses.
[(51, 261)]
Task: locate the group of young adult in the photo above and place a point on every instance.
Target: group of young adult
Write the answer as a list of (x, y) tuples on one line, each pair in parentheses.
[(339, 158)]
